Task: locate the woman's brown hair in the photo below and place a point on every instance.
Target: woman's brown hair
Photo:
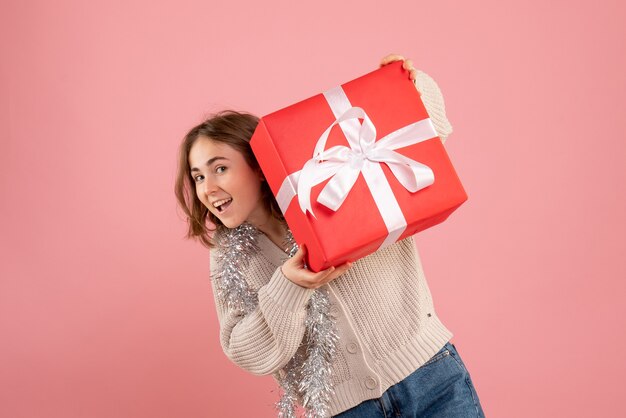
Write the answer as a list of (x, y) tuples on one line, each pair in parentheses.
[(228, 127)]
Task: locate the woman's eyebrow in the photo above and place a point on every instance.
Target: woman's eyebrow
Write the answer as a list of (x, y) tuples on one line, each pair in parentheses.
[(209, 162)]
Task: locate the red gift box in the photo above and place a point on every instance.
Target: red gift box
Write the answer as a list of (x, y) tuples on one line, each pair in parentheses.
[(390, 175)]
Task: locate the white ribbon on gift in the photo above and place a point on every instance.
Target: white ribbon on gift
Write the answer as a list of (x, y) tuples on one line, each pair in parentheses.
[(363, 155)]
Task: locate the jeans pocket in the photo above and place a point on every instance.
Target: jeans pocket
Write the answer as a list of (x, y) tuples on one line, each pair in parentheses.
[(457, 357), (443, 353), (468, 380)]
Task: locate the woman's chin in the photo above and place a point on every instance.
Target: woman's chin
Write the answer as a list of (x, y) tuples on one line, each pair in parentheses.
[(231, 223)]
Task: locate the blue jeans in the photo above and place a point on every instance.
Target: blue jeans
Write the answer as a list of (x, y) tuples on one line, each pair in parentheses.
[(440, 388)]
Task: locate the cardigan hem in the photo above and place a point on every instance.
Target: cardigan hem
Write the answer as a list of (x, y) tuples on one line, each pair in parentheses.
[(394, 368)]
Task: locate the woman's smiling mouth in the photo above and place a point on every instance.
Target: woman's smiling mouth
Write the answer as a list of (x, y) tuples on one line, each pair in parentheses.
[(222, 204)]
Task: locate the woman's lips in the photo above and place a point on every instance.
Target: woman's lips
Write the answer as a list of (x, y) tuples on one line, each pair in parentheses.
[(223, 208)]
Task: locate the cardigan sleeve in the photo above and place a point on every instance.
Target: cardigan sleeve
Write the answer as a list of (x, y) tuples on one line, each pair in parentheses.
[(264, 340), (433, 101)]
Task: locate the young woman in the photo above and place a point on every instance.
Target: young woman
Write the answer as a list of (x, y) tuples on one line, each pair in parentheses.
[(377, 349)]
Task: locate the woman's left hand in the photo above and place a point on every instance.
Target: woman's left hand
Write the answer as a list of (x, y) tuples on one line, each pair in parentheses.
[(407, 64)]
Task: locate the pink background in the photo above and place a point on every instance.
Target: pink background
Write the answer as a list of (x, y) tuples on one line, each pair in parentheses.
[(105, 309)]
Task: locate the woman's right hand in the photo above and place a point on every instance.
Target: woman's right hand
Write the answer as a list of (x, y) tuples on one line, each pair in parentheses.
[(295, 271), (407, 64)]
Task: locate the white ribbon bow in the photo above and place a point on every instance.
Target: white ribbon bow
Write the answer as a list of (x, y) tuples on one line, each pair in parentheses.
[(345, 163), (363, 155)]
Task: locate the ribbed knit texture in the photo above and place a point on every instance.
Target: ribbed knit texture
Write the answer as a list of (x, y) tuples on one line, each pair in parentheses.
[(433, 101), (385, 315)]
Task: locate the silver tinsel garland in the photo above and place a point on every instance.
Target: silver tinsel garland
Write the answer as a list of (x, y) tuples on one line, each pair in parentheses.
[(306, 377)]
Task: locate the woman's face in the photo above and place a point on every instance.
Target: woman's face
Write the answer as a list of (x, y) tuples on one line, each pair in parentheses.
[(226, 184)]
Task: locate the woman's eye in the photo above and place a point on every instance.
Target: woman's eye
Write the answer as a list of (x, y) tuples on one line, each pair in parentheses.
[(198, 178), (220, 169)]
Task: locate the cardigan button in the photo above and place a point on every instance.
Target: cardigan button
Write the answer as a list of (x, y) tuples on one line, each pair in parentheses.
[(352, 347), (370, 383)]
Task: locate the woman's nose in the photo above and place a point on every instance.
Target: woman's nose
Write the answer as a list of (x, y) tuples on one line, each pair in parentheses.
[(209, 186)]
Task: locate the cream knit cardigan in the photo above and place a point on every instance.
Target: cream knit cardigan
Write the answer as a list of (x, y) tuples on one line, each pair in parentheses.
[(385, 315)]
